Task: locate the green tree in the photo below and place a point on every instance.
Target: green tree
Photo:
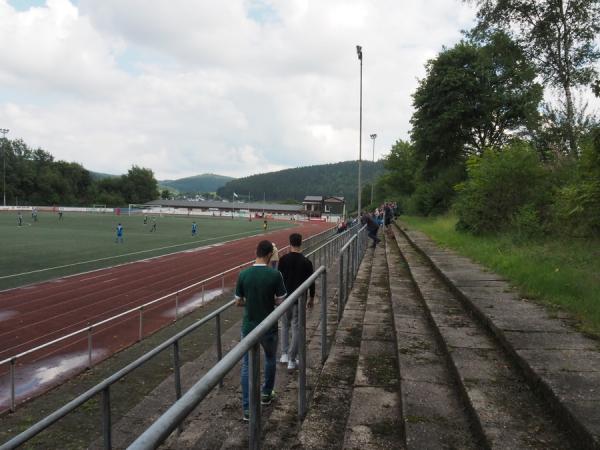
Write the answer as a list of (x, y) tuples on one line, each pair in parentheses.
[(401, 166), (165, 194), (475, 95), (139, 185), (558, 35)]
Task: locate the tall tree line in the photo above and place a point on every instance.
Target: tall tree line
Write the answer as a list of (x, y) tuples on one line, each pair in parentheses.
[(33, 177), (510, 84)]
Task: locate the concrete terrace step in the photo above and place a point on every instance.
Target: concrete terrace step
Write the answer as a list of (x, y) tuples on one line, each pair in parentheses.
[(434, 414), (325, 422), (506, 411), (375, 419)]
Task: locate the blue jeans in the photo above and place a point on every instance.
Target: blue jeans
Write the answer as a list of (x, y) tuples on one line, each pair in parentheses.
[(269, 345)]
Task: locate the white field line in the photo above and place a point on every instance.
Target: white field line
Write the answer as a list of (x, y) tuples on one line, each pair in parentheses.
[(127, 254)]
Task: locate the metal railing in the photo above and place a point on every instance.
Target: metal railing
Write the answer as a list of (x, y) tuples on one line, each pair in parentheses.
[(171, 419), (326, 252), (174, 297), (351, 253)]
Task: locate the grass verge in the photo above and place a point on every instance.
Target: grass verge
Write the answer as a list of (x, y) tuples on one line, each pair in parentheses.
[(559, 271)]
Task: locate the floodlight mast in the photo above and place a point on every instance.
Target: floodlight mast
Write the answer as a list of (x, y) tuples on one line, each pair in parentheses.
[(373, 136), (4, 131), (360, 58)]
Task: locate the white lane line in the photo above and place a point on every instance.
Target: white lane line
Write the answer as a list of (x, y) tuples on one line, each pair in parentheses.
[(125, 254)]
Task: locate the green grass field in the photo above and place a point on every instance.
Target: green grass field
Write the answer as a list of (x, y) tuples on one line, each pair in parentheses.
[(562, 272), (86, 241)]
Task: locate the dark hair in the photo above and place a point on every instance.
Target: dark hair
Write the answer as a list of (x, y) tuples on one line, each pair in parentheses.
[(295, 239), (264, 248)]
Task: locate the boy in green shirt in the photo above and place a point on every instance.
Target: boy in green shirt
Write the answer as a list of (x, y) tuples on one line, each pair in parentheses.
[(259, 289)]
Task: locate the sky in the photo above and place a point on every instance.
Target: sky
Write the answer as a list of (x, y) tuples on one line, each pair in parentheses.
[(233, 87)]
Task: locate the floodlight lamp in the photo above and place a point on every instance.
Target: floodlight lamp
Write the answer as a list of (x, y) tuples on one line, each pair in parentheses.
[(359, 52), (374, 136)]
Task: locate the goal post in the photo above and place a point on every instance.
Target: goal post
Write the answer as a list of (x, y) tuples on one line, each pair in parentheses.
[(99, 207), (137, 209)]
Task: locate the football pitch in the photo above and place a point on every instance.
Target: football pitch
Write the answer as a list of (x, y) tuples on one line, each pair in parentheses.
[(51, 248)]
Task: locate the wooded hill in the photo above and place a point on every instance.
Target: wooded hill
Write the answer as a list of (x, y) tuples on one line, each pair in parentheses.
[(294, 184), (207, 182)]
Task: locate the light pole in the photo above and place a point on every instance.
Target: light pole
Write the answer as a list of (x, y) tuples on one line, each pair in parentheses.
[(4, 131), (359, 53), (373, 136)]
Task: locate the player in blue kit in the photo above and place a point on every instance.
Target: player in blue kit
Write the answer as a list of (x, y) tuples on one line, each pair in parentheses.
[(119, 234), (194, 228)]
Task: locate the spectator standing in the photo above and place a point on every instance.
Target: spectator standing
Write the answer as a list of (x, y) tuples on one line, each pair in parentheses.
[(295, 269), (387, 215), (259, 289), (275, 257)]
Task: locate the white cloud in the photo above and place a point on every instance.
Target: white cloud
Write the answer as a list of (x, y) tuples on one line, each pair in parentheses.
[(233, 87)]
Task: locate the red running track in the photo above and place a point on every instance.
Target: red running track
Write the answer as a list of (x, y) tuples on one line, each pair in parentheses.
[(39, 313)]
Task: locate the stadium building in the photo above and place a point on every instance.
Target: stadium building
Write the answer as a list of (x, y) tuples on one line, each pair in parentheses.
[(217, 208)]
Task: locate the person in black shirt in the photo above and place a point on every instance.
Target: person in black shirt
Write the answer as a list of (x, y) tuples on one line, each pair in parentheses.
[(372, 228), (295, 269)]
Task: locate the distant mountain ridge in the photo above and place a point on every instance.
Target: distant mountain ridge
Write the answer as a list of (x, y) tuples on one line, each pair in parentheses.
[(206, 182), (100, 175), (294, 184)]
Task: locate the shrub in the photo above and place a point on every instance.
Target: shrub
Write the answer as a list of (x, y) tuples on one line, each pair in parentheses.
[(435, 196), (526, 223), (577, 206), (504, 188)]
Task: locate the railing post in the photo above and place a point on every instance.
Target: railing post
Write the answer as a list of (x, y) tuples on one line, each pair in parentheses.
[(89, 339), (176, 369), (302, 356), (141, 334), (219, 345), (348, 268), (13, 402), (341, 288), (106, 420), (324, 317), (356, 259), (254, 397)]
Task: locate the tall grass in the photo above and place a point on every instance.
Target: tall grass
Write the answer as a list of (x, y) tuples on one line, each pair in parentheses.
[(560, 271)]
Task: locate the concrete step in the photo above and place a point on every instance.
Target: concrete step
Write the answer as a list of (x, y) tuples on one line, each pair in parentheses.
[(325, 422), (375, 418), (504, 409), (434, 413), (562, 363), (282, 428)]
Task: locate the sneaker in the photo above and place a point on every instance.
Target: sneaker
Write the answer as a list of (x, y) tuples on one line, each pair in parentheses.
[(284, 358), (266, 399), (246, 416), (292, 365)]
